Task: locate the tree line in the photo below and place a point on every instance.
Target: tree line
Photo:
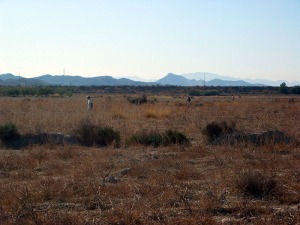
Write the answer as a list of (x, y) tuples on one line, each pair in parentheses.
[(15, 91), (68, 91)]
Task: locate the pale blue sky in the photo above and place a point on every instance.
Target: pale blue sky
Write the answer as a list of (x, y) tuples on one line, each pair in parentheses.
[(150, 38)]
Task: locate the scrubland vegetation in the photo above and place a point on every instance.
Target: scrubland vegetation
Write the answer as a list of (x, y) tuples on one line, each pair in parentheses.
[(27, 91), (152, 163)]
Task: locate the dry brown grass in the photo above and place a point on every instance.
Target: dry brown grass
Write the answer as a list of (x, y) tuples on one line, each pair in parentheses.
[(195, 184)]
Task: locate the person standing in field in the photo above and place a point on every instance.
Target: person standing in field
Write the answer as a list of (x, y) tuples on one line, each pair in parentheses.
[(188, 100), (90, 102)]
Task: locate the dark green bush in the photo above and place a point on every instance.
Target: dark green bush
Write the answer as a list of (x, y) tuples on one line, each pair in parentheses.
[(89, 135), (175, 137), (107, 135), (195, 93), (138, 100), (13, 91), (295, 90), (214, 130), (257, 185), (8, 133), (283, 89), (85, 132), (211, 93), (151, 138), (156, 139), (37, 90)]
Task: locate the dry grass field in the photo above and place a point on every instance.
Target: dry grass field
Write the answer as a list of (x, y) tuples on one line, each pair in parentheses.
[(199, 183)]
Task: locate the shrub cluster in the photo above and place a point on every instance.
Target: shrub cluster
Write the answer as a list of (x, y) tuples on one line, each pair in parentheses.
[(138, 100), (89, 134), (211, 93), (294, 90), (195, 93), (214, 130), (257, 185), (34, 91), (284, 89), (155, 138), (8, 133)]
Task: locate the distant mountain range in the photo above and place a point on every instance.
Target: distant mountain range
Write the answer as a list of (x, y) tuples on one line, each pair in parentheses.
[(211, 76), (191, 79), (10, 79), (181, 80), (88, 81)]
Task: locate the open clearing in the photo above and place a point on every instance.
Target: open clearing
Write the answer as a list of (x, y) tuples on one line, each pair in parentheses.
[(136, 184)]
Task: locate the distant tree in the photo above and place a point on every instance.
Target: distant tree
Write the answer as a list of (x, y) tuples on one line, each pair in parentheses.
[(28, 91), (211, 93), (195, 93), (13, 91), (295, 90), (283, 89), (138, 100), (45, 91)]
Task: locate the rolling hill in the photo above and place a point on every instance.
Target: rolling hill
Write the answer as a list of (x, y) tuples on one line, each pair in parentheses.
[(192, 79)]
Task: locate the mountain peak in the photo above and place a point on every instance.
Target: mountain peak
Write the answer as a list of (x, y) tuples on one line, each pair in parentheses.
[(8, 76), (171, 74), (173, 79)]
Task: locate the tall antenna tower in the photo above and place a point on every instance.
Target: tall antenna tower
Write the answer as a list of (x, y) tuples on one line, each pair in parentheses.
[(204, 79), (64, 72)]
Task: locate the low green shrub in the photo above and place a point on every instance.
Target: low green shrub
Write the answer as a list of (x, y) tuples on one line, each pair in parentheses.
[(195, 93), (156, 139), (138, 100), (214, 130), (8, 133), (257, 185), (211, 93), (106, 136), (175, 137), (89, 134), (151, 138)]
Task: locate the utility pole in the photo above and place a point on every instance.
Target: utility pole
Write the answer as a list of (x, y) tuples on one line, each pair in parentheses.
[(204, 79)]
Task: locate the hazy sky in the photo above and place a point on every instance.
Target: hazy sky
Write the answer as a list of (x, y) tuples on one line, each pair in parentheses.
[(150, 38)]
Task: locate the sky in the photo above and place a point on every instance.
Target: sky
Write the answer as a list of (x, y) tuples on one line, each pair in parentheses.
[(151, 38)]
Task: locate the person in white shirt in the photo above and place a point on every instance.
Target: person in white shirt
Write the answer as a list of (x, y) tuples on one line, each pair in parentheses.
[(90, 103)]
